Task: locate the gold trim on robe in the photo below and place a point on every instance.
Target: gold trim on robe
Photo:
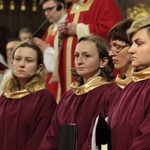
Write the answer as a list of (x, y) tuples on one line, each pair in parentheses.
[(121, 81), (50, 31), (20, 94), (68, 62), (141, 75), (79, 7), (85, 88)]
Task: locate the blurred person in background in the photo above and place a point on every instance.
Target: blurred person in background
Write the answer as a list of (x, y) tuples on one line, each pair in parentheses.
[(11, 44), (25, 34)]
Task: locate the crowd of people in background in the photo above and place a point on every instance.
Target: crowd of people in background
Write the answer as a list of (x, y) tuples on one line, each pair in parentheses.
[(66, 77)]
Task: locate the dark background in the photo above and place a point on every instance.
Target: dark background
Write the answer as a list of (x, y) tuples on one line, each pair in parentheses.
[(23, 15)]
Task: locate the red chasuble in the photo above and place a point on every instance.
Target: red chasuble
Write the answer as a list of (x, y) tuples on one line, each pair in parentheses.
[(98, 16), (130, 119), (24, 121), (76, 109)]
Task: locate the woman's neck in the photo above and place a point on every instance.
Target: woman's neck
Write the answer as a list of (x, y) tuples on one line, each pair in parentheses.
[(128, 71), (22, 84)]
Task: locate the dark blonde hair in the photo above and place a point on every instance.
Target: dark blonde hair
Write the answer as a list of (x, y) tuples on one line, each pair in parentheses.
[(38, 80), (140, 23), (102, 49)]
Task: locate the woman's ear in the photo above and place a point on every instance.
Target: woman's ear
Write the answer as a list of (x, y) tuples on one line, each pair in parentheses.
[(40, 67), (103, 62)]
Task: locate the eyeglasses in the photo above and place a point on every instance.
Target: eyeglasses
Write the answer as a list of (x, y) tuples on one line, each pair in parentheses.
[(48, 9), (116, 48)]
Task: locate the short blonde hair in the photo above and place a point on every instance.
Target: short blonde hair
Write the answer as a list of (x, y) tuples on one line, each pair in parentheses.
[(138, 24)]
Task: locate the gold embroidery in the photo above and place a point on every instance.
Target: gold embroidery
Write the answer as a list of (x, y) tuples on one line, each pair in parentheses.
[(80, 7), (68, 62), (50, 31)]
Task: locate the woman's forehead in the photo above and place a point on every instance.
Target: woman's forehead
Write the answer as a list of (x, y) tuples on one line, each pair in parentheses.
[(25, 51)]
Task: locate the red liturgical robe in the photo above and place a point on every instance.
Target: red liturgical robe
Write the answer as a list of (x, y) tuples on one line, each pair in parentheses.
[(77, 109), (130, 119), (24, 121)]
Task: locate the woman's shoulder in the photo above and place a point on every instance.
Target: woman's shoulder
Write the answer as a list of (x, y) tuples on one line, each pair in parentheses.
[(109, 85), (44, 93)]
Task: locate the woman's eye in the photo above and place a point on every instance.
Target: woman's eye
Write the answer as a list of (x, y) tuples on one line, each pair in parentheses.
[(76, 55), (28, 60), (118, 47), (17, 59), (139, 43), (86, 56)]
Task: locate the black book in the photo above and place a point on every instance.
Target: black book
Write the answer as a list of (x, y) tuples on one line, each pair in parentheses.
[(103, 133), (67, 139)]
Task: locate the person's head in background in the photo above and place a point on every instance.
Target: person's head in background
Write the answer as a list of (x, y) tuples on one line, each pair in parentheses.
[(25, 34), (11, 44), (139, 34), (119, 46), (28, 68), (92, 59), (50, 11)]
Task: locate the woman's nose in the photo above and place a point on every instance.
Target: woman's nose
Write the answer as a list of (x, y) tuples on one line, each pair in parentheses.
[(79, 59), (112, 53), (131, 49), (22, 63)]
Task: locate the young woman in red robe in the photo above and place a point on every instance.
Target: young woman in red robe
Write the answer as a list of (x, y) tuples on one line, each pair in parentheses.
[(130, 120), (26, 106), (82, 103)]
